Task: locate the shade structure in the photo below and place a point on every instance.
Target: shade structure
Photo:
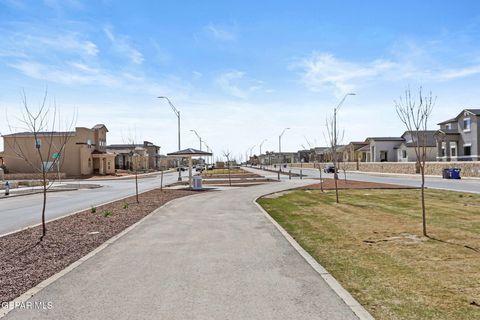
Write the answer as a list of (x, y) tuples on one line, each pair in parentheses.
[(189, 153)]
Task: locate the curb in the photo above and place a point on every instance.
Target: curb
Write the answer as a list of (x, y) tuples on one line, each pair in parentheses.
[(45, 283), (21, 194), (346, 297)]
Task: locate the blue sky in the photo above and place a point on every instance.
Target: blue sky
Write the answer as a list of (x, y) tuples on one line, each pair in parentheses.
[(241, 72)]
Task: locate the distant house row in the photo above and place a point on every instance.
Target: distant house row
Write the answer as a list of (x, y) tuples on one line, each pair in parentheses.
[(85, 153), (457, 139)]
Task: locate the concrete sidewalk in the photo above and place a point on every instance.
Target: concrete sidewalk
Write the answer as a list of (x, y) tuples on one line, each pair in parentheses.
[(210, 256)]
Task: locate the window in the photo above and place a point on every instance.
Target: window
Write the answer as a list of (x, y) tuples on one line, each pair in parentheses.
[(443, 149), (453, 149), (467, 124), (404, 154), (467, 150), (448, 126), (89, 142)]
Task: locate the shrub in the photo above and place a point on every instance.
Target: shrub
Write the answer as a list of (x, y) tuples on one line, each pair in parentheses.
[(125, 205), (93, 210), (106, 213)]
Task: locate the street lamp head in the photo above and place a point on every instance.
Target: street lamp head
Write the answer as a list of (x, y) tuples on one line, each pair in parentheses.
[(351, 94)]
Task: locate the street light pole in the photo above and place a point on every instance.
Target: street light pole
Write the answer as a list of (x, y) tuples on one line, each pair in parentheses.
[(261, 150), (280, 146), (199, 138), (177, 113)]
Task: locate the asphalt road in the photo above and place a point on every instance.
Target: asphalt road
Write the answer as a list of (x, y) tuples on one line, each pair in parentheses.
[(24, 211), (209, 256), (463, 185)]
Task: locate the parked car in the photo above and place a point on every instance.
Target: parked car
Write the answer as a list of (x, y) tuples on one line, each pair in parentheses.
[(182, 169), (329, 169), (199, 167)]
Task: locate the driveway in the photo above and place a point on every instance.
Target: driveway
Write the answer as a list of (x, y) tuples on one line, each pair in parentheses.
[(209, 256)]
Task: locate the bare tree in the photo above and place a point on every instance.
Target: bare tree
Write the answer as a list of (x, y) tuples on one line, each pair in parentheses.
[(333, 137), (226, 154), (131, 141), (50, 141), (414, 113)]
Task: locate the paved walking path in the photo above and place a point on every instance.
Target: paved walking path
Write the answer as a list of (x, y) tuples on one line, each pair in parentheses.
[(209, 256)]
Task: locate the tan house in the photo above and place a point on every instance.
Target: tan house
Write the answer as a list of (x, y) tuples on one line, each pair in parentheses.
[(84, 152), (127, 156), (351, 152), (130, 157)]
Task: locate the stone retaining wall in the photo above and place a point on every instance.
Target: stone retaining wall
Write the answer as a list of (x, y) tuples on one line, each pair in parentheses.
[(469, 168)]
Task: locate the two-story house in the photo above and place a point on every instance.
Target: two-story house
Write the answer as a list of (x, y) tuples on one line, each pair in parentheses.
[(76, 153), (458, 139)]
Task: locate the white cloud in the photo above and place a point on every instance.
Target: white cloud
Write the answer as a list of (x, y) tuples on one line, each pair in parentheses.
[(16, 44), (236, 84), (196, 75), (322, 71), (121, 45), (72, 73), (221, 33)]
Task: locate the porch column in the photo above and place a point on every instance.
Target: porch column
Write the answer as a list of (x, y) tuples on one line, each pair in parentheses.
[(439, 149), (101, 169), (447, 149)]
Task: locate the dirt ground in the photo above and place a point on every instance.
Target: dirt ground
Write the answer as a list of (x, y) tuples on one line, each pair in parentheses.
[(24, 262)]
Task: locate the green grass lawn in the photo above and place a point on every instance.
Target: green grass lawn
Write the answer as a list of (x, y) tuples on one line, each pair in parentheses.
[(371, 243)]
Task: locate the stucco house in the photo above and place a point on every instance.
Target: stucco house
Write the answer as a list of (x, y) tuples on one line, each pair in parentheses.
[(458, 139), (351, 152), (406, 149), (383, 149), (84, 152), (141, 157)]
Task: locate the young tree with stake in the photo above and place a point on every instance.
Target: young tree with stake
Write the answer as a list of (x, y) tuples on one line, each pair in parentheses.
[(414, 114), (50, 144)]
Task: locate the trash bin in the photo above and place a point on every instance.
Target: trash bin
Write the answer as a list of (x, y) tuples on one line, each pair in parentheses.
[(196, 182), (446, 173), (455, 173)]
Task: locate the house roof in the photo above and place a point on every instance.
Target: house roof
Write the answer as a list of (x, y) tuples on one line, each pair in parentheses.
[(385, 139), (447, 131), (430, 141), (40, 134), (472, 111), (365, 148), (189, 152), (99, 126)]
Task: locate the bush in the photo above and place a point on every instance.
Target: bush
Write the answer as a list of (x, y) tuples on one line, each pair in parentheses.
[(125, 205), (106, 213), (93, 210)]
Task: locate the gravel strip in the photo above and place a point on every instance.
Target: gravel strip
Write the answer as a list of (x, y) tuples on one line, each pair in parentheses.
[(24, 262)]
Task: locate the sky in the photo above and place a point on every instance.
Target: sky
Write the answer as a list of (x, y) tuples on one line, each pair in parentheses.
[(239, 72)]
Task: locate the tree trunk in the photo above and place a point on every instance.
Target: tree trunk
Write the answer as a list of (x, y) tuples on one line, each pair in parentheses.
[(136, 185), (424, 215), (335, 178), (44, 207)]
